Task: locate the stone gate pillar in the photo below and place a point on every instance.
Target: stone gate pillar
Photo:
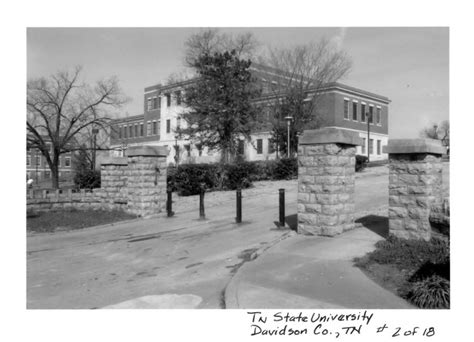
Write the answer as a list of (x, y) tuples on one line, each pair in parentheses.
[(146, 182), (113, 182), (326, 178), (415, 185)]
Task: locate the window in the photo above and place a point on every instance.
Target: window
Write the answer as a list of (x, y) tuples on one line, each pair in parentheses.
[(188, 149), (178, 97), (259, 146), (67, 161), (378, 117), (149, 104), (136, 130), (379, 145), (354, 111), (199, 148), (155, 103), (371, 114), (38, 159), (178, 123), (130, 131), (362, 112), (47, 174), (155, 128), (125, 132), (364, 142), (148, 128), (371, 146), (28, 160), (346, 109), (168, 100), (120, 132), (168, 126), (48, 148), (141, 130)]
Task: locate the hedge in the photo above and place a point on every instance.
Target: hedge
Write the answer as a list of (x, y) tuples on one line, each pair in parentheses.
[(188, 179)]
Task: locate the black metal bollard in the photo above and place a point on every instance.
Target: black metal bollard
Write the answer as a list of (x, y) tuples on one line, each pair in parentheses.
[(282, 207), (238, 218), (201, 203), (169, 205)]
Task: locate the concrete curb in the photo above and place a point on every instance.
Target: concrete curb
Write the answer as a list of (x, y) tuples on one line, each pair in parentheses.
[(230, 291)]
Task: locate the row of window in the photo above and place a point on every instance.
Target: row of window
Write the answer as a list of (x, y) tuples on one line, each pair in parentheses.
[(37, 161), (137, 130), (47, 174), (360, 113), (371, 146), (155, 102)]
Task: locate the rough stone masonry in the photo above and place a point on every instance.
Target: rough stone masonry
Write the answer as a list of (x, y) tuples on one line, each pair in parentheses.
[(326, 181), (415, 185), (147, 180)]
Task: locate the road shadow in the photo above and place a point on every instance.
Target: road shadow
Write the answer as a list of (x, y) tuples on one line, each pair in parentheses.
[(375, 223), (291, 222)]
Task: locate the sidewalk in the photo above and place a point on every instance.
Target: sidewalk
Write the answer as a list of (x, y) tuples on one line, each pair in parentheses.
[(308, 272)]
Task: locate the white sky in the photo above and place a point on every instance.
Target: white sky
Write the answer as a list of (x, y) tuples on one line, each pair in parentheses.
[(408, 65)]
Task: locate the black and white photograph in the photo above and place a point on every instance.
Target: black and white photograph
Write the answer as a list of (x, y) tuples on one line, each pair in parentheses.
[(275, 179)]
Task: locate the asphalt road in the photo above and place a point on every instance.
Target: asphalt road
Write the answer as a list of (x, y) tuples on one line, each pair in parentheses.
[(167, 259)]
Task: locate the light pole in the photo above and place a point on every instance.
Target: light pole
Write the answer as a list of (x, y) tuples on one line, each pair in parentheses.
[(368, 116), (176, 150), (36, 162), (288, 120), (94, 147)]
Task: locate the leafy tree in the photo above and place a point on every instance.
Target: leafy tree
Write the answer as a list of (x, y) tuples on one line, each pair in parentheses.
[(219, 103), (62, 111), (299, 74)]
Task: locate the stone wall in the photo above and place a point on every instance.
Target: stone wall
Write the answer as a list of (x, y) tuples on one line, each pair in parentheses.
[(136, 184), (415, 186), (326, 181)]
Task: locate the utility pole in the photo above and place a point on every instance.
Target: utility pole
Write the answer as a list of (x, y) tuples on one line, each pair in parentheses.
[(288, 120), (94, 147), (368, 116)]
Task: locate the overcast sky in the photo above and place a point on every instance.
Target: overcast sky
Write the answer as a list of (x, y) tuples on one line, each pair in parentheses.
[(408, 65)]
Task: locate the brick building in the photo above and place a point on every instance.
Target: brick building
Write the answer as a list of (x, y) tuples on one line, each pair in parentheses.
[(339, 105), (38, 169)]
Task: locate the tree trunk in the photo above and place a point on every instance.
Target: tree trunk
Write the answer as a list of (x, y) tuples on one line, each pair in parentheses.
[(55, 176)]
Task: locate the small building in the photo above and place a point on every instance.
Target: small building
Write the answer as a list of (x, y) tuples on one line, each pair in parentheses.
[(339, 105)]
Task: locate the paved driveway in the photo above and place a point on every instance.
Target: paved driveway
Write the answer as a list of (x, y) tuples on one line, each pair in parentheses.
[(159, 257)]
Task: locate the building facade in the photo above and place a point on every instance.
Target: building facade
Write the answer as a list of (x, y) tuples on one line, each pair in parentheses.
[(339, 105), (37, 167)]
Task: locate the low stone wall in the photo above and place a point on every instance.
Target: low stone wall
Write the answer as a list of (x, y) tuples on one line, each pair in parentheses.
[(136, 184), (40, 202)]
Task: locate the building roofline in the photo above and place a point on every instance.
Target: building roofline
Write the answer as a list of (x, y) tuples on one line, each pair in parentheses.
[(129, 118)]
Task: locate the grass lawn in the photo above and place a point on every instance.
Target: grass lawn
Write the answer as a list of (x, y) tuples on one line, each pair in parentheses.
[(47, 222), (417, 271)]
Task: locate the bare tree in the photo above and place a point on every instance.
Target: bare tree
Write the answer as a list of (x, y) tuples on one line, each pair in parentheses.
[(210, 41), (438, 132), (294, 82), (62, 111)]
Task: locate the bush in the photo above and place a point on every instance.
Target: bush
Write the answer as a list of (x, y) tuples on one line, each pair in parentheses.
[(187, 179), (410, 254), (430, 293), (361, 163), (286, 169), (88, 179)]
